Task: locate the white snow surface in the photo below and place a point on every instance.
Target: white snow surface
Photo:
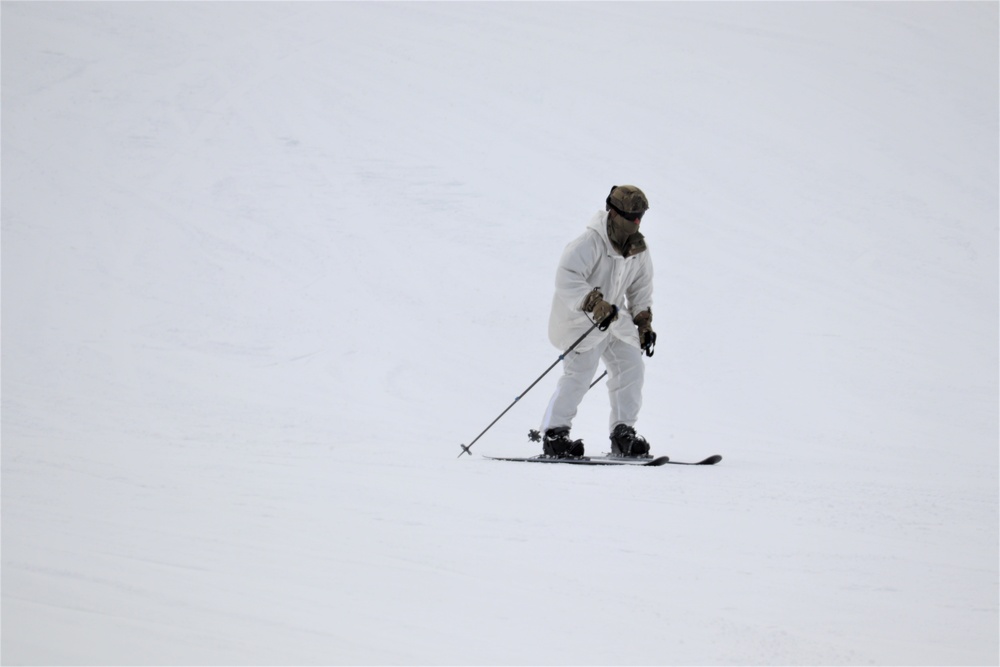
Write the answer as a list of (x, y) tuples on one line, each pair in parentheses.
[(267, 265)]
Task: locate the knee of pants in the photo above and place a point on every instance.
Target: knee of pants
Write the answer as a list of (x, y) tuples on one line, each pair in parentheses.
[(625, 365)]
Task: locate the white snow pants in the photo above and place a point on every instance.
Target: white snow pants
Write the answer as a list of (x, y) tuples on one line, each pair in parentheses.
[(625, 377)]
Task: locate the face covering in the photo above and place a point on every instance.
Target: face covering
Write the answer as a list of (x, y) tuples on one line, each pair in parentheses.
[(624, 234)]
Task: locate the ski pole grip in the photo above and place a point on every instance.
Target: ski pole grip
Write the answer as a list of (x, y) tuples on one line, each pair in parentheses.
[(606, 322)]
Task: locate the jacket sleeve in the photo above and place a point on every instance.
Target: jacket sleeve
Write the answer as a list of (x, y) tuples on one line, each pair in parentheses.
[(640, 292), (575, 266)]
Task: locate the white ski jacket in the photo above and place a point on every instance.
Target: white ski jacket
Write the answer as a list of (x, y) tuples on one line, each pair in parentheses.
[(590, 261)]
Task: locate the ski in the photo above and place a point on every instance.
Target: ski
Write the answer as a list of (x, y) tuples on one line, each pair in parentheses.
[(659, 460), (607, 460), (585, 460)]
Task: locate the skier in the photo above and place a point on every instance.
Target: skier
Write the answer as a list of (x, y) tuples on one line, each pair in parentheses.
[(603, 274)]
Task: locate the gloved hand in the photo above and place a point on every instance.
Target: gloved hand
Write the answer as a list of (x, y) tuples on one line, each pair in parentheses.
[(647, 337), (604, 312)]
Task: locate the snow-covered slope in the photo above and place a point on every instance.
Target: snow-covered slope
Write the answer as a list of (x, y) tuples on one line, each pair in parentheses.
[(266, 265)]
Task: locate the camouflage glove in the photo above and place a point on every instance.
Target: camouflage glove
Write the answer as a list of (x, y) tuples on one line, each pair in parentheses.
[(647, 337), (604, 312)]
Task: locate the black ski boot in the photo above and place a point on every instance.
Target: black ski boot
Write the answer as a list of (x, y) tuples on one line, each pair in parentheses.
[(625, 442), (557, 443)]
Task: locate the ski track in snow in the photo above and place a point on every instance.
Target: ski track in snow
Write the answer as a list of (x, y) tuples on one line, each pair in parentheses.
[(266, 265)]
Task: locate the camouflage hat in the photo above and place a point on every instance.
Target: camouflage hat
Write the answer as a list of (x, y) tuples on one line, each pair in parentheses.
[(627, 199)]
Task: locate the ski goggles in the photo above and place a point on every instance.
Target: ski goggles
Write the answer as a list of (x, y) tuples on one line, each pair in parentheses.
[(634, 217)]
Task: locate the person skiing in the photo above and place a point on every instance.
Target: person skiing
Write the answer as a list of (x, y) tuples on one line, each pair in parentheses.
[(603, 274)]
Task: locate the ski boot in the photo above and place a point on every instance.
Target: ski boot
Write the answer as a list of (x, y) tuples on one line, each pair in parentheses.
[(626, 443), (557, 443)]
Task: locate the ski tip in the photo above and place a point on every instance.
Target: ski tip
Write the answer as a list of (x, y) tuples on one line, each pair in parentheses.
[(711, 460)]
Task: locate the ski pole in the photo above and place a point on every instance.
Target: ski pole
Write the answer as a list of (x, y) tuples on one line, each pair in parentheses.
[(597, 380), (605, 324)]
